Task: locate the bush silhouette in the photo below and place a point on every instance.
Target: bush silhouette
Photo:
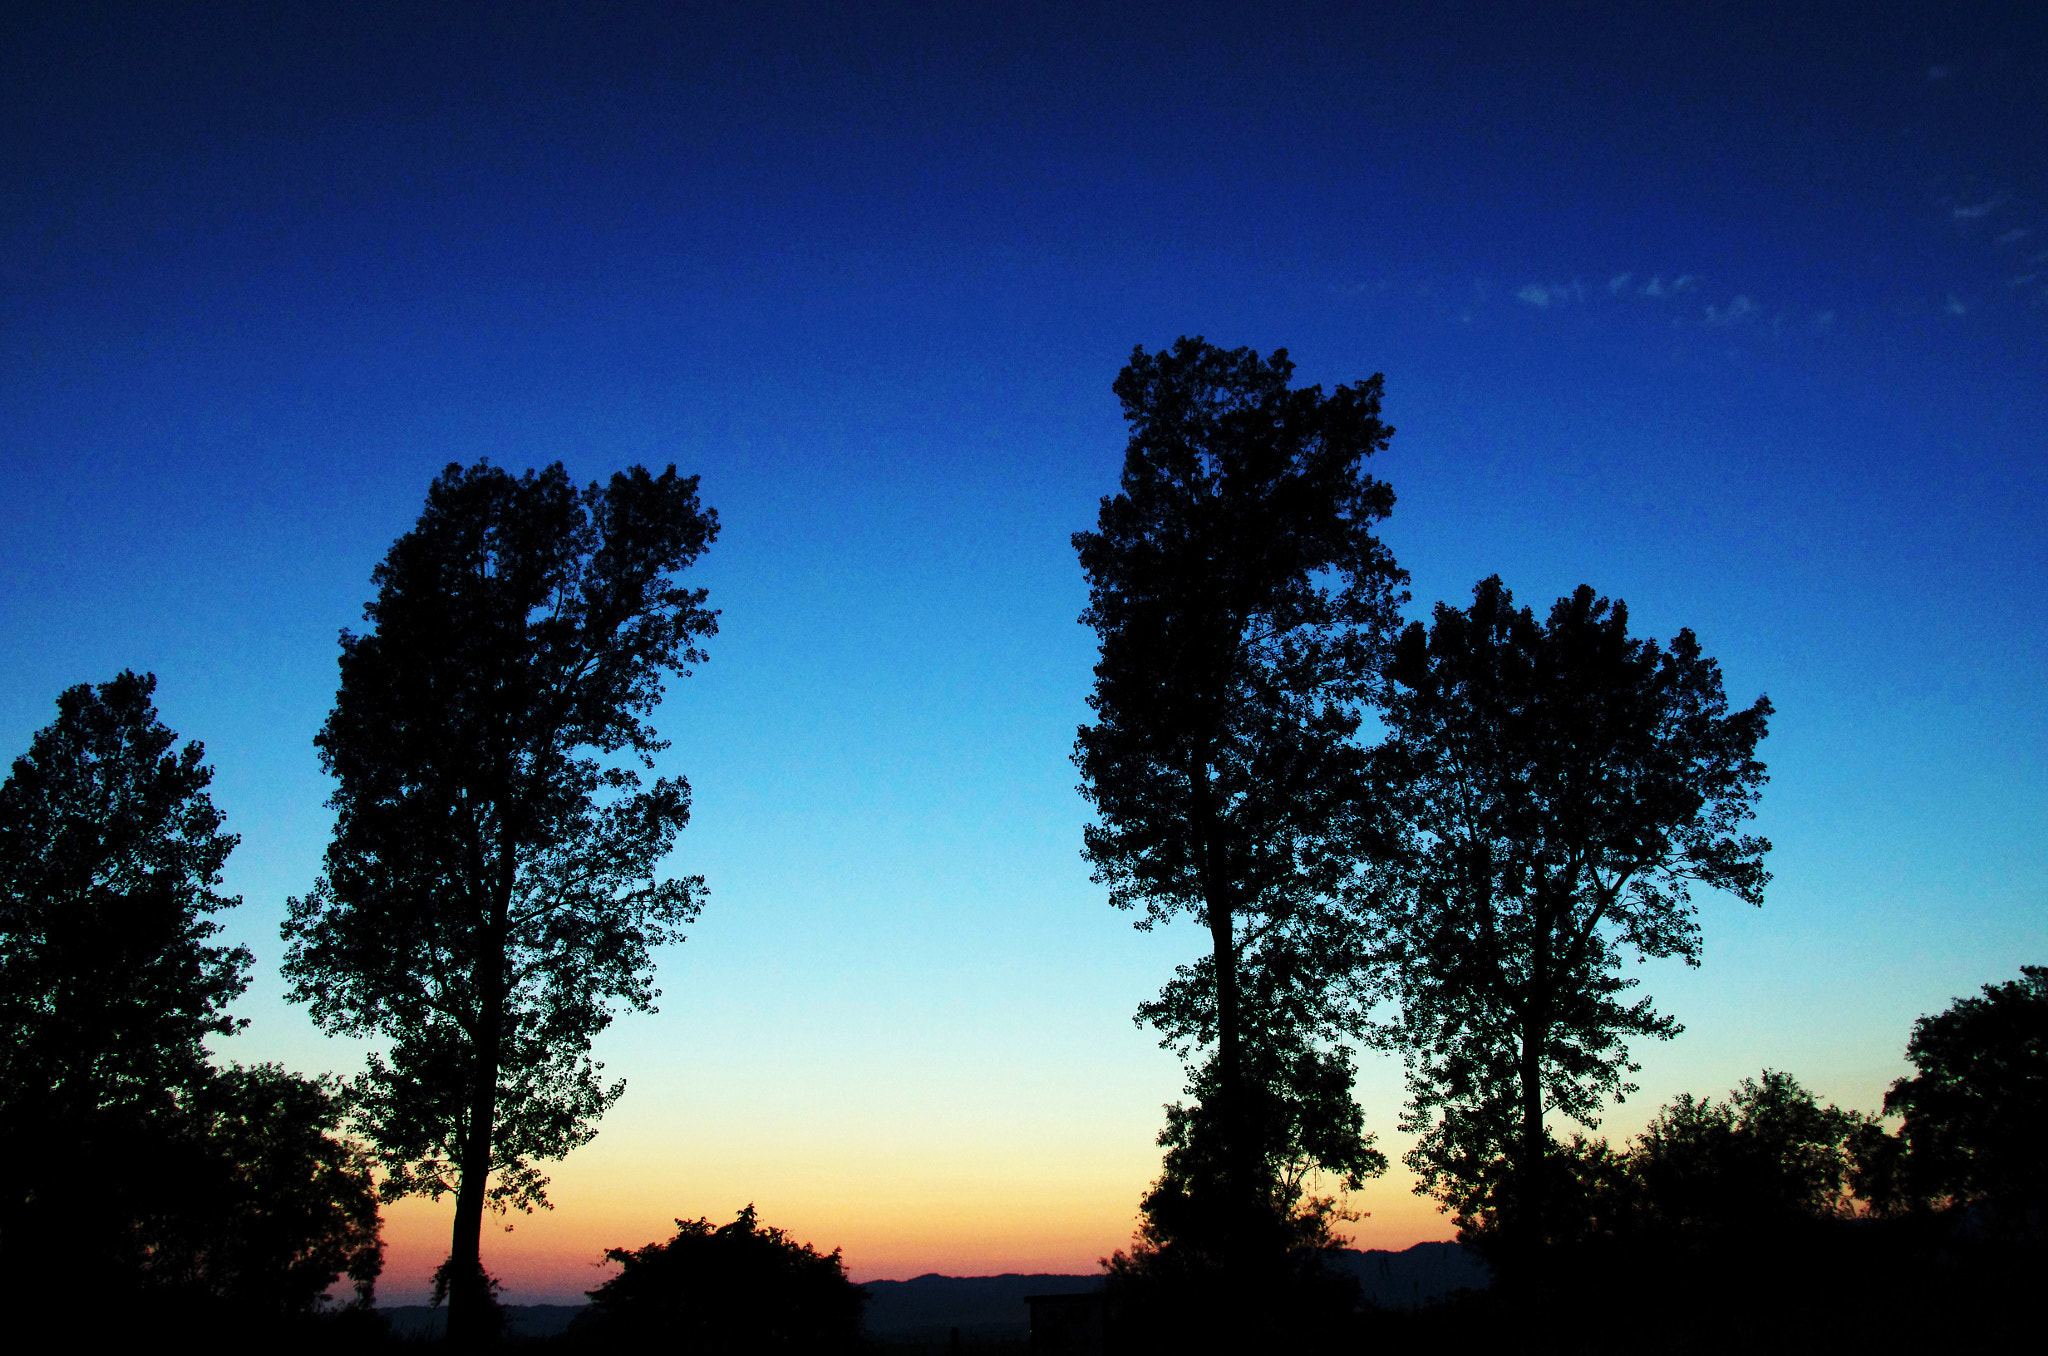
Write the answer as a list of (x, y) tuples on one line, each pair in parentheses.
[(734, 1287)]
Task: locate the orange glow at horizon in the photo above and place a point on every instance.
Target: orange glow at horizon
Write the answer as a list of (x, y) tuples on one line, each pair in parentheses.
[(886, 1229)]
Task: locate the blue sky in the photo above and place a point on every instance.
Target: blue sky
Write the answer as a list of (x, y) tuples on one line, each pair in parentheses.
[(1741, 317)]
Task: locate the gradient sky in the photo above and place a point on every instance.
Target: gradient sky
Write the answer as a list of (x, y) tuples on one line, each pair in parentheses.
[(1740, 317)]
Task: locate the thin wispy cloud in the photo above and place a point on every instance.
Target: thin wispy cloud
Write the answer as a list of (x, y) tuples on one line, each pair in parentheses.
[(1544, 295), (1996, 223), (1656, 287), (1940, 72), (1617, 292), (1734, 313)]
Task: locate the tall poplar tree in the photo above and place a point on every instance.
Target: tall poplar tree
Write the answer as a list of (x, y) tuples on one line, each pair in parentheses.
[(1241, 600), (490, 895)]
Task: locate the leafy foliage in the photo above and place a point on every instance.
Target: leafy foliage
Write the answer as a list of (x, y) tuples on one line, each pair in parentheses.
[(110, 861), (1241, 600), (1202, 1264), (490, 897), (1558, 787), (1306, 1124), (1735, 1224), (738, 1287), (1972, 1113), (141, 1174), (268, 1204), (1768, 1157), (1729, 1184)]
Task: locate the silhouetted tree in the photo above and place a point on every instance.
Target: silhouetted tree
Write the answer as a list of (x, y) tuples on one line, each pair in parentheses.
[(1189, 1270), (1591, 1193), (269, 1204), (738, 1287), (110, 862), (1728, 1224), (1974, 1110), (1306, 1123), (1769, 1157), (1560, 785), (490, 893), (139, 1174), (1748, 1170), (1241, 600)]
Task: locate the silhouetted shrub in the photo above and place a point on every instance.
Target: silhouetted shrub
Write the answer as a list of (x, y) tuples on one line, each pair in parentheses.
[(731, 1288)]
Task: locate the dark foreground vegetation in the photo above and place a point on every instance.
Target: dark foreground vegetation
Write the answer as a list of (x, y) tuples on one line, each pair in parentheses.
[(1764, 1221), (1537, 801)]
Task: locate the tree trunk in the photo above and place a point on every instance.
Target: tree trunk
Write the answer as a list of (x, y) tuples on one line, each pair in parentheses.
[(1230, 1216), (1238, 1208), (1237, 1212), (1530, 1204), (472, 1317), (1229, 1062), (1531, 1175)]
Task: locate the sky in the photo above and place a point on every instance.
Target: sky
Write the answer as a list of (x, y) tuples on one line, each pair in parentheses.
[(1736, 314)]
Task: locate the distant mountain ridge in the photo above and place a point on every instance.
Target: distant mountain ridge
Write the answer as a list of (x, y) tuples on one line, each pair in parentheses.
[(930, 1306), (1414, 1276)]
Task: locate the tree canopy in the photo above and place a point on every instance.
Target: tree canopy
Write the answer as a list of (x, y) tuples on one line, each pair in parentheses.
[(111, 853), (110, 866), (1307, 1124), (1972, 1114), (264, 1203), (1241, 600), (738, 1287), (1768, 1157), (490, 896), (144, 1180), (1556, 789)]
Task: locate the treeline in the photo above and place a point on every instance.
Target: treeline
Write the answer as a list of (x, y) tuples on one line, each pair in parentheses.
[(145, 1184), (1449, 841), (1444, 842), (489, 900)]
